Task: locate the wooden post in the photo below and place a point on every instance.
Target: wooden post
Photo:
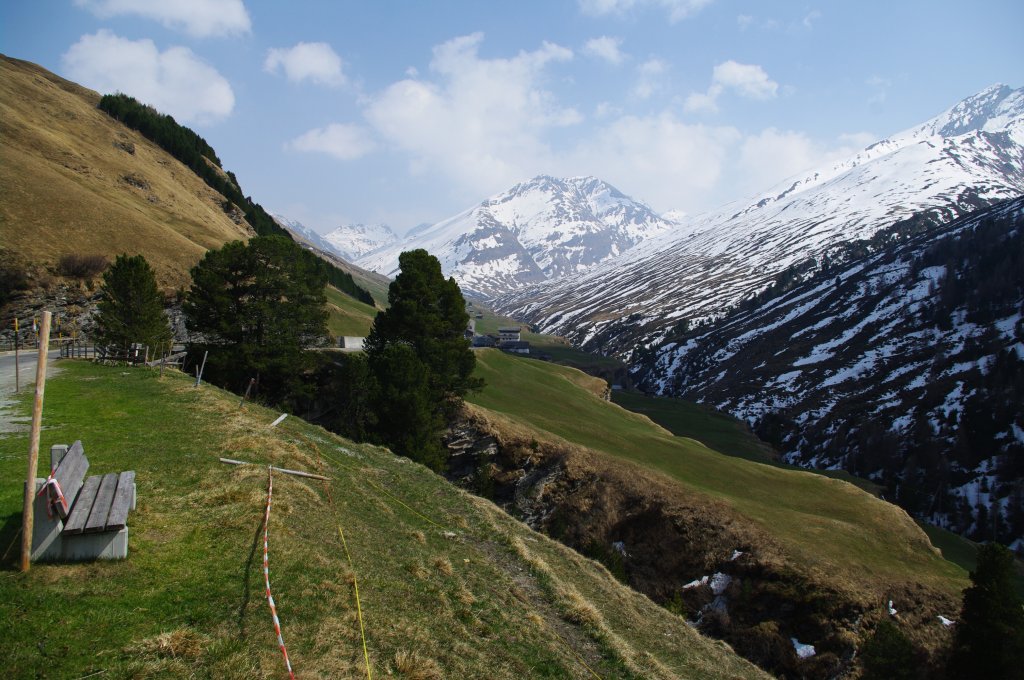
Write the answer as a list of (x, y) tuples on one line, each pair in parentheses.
[(27, 519), (246, 395), (17, 371)]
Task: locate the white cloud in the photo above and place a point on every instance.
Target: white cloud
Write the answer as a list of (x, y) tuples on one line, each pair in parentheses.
[(174, 81), (480, 121), (650, 78), (774, 155), (744, 21), (658, 158), (747, 80), (343, 141), (316, 62), (606, 48), (677, 9), (199, 18)]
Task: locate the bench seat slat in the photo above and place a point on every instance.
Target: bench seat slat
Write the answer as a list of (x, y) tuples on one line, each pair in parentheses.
[(83, 506), (101, 507), (122, 501)]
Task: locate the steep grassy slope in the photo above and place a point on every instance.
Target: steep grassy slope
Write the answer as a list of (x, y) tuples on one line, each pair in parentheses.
[(823, 525), (348, 316), (77, 181), (449, 585)]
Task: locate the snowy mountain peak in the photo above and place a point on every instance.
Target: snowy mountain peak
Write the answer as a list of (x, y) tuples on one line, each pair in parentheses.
[(353, 241), (994, 109), (540, 229)]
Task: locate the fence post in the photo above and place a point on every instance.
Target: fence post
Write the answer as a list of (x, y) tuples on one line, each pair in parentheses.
[(199, 369)]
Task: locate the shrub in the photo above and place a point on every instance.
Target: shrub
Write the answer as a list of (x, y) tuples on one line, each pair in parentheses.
[(81, 266)]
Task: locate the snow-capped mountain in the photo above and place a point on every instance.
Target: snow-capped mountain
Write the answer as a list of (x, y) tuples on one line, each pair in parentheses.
[(353, 241), (902, 361), (539, 230), (303, 233), (970, 156)]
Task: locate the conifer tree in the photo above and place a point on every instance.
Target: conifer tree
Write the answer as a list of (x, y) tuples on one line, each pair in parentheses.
[(989, 640), (427, 316), (131, 307), (255, 307)]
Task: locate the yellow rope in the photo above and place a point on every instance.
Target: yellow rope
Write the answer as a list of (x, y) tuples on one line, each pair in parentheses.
[(359, 608)]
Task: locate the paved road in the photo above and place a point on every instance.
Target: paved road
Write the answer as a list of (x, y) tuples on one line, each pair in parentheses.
[(11, 422)]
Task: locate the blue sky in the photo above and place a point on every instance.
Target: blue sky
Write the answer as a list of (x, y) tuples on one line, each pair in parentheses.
[(408, 112)]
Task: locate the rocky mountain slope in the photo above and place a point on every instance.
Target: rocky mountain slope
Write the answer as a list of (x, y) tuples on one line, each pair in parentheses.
[(540, 230), (970, 156), (902, 360)]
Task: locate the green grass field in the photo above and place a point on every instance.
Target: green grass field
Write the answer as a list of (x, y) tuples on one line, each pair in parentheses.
[(348, 316), (449, 585), (822, 523)]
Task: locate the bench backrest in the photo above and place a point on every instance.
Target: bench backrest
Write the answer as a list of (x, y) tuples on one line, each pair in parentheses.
[(69, 474)]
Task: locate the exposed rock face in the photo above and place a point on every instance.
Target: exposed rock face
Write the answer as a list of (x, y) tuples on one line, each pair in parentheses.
[(690, 554)]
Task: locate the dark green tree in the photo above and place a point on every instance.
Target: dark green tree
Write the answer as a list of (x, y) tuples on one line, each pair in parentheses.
[(427, 315), (989, 641), (889, 655), (256, 307), (131, 308)]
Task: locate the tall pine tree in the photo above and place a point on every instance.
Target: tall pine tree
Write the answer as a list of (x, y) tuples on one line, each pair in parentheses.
[(426, 316), (131, 308)]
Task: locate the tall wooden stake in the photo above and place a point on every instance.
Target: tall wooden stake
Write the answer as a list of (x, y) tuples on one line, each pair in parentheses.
[(199, 370), (33, 447), (17, 370)]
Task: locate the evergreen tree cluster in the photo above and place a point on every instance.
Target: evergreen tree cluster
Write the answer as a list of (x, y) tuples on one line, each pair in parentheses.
[(196, 154), (255, 308)]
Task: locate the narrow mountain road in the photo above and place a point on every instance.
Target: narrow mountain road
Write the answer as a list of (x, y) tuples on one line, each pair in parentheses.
[(10, 421)]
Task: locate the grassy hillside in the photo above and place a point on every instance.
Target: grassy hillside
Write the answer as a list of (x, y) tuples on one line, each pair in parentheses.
[(822, 526), (77, 181), (348, 316), (449, 586)]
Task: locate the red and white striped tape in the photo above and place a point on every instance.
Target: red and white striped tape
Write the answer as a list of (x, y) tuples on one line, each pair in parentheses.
[(52, 483), (266, 573)]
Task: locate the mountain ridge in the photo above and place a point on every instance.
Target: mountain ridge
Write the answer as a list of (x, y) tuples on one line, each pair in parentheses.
[(712, 261)]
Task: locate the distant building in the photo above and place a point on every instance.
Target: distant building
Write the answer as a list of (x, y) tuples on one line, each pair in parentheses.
[(484, 341), (511, 334), (351, 342), (471, 329), (515, 347)]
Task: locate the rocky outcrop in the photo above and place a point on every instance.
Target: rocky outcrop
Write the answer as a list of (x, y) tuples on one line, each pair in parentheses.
[(692, 555)]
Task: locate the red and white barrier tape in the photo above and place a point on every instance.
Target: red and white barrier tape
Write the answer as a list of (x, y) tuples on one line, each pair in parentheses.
[(266, 573), (51, 482)]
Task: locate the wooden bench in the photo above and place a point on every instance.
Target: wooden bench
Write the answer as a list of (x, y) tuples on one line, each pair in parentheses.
[(79, 517)]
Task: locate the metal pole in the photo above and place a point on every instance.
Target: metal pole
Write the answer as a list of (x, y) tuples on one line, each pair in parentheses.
[(27, 519), (199, 371)]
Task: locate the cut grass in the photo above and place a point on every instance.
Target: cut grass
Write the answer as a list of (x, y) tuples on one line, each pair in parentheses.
[(348, 316), (443, 591), (825, 526)]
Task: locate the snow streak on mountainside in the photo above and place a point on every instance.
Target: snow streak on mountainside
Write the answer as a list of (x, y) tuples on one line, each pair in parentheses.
[(905, 365), (353, 241), (539, 230), (968, 157)]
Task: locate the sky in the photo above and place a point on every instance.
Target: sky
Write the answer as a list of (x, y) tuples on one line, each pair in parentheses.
[(334, 112)]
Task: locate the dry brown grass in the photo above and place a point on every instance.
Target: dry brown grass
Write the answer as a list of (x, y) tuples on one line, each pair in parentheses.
[(415, 666), (62, 166)]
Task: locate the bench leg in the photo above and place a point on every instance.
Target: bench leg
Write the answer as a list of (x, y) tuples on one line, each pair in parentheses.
[(46, 536), (109, 545)]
